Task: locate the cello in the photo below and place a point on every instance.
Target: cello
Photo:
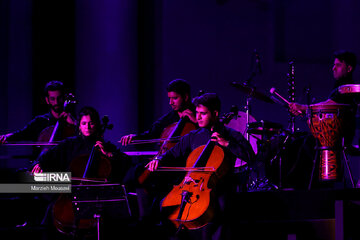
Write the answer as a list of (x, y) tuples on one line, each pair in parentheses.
[(190, 204), (61, 129), (169, 134), (81, 167)]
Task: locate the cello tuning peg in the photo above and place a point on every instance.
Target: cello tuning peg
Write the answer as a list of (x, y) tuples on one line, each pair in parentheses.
[(105, 119)]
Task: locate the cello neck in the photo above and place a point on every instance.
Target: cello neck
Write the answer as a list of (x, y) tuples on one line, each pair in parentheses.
[(89, 162), (55, 130), (205, 154), (179, 127), (176, 132)]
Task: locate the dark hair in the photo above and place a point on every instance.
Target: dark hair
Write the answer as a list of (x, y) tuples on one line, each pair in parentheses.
[(54, 86), (348, 57), (209, 100), (94, 115), (179, 86)]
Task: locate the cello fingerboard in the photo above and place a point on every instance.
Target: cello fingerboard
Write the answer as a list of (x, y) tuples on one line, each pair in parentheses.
[(204, 156)]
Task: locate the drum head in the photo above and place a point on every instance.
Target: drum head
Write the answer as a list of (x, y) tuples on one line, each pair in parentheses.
[(333, 107), (349, 89), (239, 123)]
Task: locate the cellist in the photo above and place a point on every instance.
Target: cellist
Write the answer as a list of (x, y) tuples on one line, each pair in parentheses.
[(73, 153), (55, 98), (233, 144), (179, 94), (180, 101)]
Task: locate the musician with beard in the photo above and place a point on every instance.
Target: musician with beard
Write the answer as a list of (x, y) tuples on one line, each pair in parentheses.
[(343, 68), (55, 99)]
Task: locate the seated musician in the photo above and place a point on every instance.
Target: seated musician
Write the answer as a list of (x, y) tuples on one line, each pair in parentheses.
[(72, 154), (179, 96), (61, 157), (343, 68), (55, 99), (230, 141)]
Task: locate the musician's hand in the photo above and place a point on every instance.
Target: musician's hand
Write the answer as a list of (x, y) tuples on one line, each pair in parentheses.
[(100, 145), (216, 137), (36, 169), (152, 165), (4, 137), (68, 118), (189, 114), (125, 140), (297, 109)]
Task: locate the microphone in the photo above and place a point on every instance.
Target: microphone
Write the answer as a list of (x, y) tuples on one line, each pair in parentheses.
[(257, 61)]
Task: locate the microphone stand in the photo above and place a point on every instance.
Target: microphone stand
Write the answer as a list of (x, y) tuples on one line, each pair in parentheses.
[(247, 83)]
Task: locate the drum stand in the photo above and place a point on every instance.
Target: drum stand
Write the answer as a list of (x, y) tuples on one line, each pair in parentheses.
[(247, 111), (343, 157)]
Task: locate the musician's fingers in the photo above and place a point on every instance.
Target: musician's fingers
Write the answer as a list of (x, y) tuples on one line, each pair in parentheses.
[(63, 115), (215, 136), (129, 138), (191, 115), (99, 144), (124, 141), (152, 165), (36, 169)]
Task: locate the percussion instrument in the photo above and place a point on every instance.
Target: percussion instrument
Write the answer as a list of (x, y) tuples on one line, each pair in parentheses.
[(252, 92), (239, 123), (349, 88), (326, 123), (264, 128)]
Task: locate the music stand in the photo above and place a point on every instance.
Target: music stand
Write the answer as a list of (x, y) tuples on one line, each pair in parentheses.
[(95, 200)]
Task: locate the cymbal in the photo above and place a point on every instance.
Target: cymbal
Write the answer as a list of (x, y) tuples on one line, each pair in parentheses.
[(251, 91)]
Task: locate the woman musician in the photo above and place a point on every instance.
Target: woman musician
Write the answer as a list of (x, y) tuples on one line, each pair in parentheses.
[(73, 153)]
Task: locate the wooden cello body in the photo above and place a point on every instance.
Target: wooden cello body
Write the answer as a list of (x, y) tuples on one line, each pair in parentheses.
[(85, 168), (176, 129), (191, 203), (63, 209), (61, 129)]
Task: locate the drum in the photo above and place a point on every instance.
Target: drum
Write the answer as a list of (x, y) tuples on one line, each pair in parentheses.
[(349, 88), (326, 123), (239, 123), (286, 160), (265, 128)]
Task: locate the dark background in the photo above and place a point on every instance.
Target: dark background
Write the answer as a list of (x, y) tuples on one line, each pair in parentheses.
[(118, 56)]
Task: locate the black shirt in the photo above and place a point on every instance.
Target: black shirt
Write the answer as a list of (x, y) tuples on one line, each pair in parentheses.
[(349, 115), (238, 147), (159, 125), (33, 129), (77, 150)]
